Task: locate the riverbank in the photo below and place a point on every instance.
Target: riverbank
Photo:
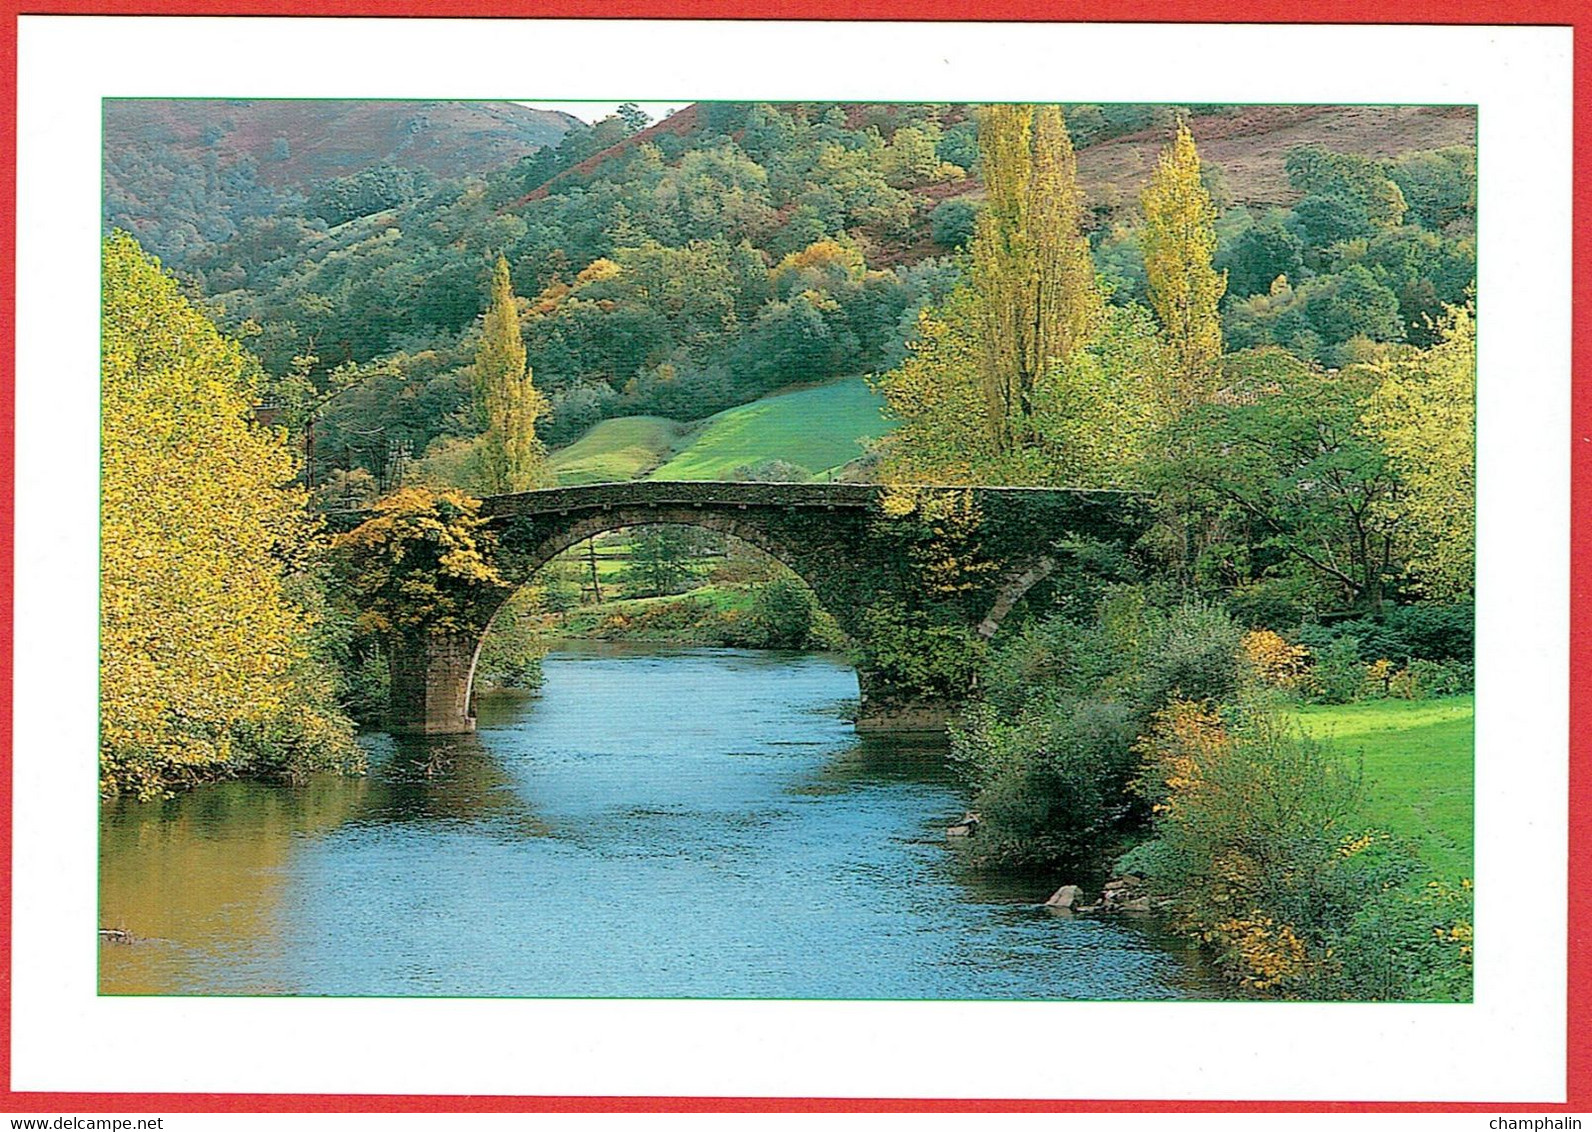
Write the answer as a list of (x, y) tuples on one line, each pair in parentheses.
[(715, 615)]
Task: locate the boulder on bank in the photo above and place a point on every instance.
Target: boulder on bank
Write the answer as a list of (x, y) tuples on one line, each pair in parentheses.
[(1127, 893), (1064, 897), (967, 827)]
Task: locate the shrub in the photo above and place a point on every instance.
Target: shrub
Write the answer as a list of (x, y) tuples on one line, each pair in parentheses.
[(1251, 818), (1273, 603), (1403, 945), (366, 680), (952, 221), (1193, 655), (918, 653), (782, 615), (1260, 854), (1275, 662), (1425, 679), (1434, 632), (1338, 676), (1049, 786), (1428, 631)]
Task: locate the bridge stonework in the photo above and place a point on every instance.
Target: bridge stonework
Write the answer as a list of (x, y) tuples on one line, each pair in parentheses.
[(840, 539)]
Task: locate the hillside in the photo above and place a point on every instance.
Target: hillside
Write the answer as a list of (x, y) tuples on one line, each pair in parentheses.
[(327, 138), (815, 431), (1247, 143), (184, 173), (1250, 143), (624, 448), (671, 271)]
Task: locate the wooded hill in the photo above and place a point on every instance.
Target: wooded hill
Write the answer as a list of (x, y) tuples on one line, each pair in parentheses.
[(681, 268)]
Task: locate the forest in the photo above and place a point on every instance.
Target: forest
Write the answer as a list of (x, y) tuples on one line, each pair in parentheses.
[(1279, 354)]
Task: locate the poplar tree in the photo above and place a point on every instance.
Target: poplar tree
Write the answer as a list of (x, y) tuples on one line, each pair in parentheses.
[(1179, 239), (508, 404), (1031, 265)]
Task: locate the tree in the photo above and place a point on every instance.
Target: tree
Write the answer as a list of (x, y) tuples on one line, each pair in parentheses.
[(1283, 459), (1037, 300), (1179, 239), (633, 116), (424, 562), (1424, 414), (508, 404), (1257, 256), (936, 396), (205, 667), (1348, 177), (660, 560)]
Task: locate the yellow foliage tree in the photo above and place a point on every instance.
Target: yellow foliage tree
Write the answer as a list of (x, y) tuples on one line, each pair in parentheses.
[(204, 666), (422, 563), (1179, 240), (937, 397), (1424, 415), (512, 458), (1031, 265), (1093, 418)]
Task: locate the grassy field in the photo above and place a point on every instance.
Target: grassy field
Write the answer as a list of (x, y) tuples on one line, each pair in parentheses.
[(816, 429), (1419, 760), (625, 448)]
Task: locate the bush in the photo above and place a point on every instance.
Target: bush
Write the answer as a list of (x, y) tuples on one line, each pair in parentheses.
[(782, 615), (1275, 662), (1193, 655), (1273, 603), (1049, 786), (366, 680), (1260, 854), (1403, 945), (1433, 632), (1251, 818), (952, 222), (1427, 679), (1338, 676)]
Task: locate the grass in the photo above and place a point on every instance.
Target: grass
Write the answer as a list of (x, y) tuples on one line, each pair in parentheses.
[(625, 448), (1419, 760), (816, 429)]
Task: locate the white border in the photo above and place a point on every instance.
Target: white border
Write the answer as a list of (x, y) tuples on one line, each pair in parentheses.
[(1508, 1045)]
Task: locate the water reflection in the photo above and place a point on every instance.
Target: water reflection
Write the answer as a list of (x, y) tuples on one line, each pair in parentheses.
[(657, 823)]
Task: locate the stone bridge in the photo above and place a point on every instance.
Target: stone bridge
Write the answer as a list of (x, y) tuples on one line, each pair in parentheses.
[(899, 569)]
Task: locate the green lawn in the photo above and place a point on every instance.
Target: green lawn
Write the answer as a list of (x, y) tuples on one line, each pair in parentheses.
[(624, 448), (816, 429), (1419, 759)]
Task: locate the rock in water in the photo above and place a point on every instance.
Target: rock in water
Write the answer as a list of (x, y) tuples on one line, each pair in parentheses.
[(967, 827), (1064, 897)]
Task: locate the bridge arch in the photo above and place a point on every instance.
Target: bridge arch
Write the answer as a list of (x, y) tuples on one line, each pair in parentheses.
[(838, 538), (527, 565)]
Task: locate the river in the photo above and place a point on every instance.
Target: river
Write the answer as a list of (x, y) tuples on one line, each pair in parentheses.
[(653, 823)]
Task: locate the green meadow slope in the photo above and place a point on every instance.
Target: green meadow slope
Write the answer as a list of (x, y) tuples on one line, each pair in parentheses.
[(818, 430), (624, 448)]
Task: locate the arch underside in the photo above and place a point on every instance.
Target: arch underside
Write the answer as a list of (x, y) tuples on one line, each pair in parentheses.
[(567, 535)]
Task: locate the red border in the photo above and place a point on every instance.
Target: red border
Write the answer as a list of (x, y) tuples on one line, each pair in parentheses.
[(1558, 12)]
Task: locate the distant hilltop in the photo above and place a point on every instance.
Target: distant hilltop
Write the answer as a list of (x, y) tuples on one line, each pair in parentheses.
[(296, 143)]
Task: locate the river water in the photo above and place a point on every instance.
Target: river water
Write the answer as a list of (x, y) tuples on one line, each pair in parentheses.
[(654, 823)]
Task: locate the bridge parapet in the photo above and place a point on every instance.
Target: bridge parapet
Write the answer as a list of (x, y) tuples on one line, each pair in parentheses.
[(743, 493)]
